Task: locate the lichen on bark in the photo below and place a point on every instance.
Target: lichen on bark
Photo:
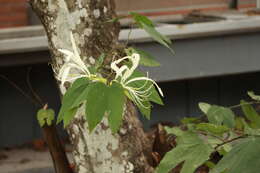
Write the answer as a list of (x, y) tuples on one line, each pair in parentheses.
[(100, 151)]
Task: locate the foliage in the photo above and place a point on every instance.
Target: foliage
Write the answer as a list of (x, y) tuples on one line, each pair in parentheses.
[(103, 96), (146, 24), (45, 117), (189, 146), (146, 59), (235, 138)]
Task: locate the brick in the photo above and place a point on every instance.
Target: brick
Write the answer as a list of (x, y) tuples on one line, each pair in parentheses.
[(246, 4), (13, 13), (10, 24), (21, 8), (131, 5), (13, 1), (14, 17)]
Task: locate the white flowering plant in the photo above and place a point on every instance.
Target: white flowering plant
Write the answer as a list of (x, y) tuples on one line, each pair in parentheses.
[(103, 97)]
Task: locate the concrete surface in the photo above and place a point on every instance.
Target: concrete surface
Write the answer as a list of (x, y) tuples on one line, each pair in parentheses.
[(26, 160)]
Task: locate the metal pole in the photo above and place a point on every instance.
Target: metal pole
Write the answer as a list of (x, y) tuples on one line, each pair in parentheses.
[(257, 3)]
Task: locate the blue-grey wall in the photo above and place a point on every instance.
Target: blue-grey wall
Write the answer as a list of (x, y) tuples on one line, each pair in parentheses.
[(17, 114)]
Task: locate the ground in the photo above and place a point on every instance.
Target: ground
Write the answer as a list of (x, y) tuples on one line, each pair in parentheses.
[(26, 160)]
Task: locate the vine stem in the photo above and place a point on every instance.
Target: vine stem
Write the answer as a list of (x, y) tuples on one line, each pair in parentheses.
[(36, 96), (20, 90), (233, 107), (214, 136), (248, 103), (229, 141)]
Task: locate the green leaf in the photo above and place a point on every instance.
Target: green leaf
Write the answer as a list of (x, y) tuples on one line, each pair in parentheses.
[(253, 95), (204, 107), (68, 116), (158, 37), (190, 149), (188, 138), (210, 164), (250, 114), (145, 111), (215, 142), (100, 61), (96, 105), (146, 59), (212, 128), (190, 120), (70, 96), (248, 130), (220, 115), (154, 97), (141, 19), (145, 106), (116, 19), (92, 70), (174, 130), (116, 102), (146, 24), (239, 123), (45, 117), (81, 97), (243, 158)]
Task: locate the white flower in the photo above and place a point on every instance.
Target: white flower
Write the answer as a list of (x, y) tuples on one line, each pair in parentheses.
[(123, 74), (74, 67)]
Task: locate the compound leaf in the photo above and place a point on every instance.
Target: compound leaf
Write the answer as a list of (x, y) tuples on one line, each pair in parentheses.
[(146, 59), (250, 114), (244, 157), (220, 115), (190, 149), (70, 96), (146, 24), (116, 101), (45, 116), (96, 105)]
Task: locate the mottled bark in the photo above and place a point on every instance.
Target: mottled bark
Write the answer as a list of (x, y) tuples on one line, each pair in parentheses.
[(101, 151)]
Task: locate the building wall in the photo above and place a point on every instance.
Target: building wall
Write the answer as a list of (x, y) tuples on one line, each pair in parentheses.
[(18, 123), (246, 4), (155, 7), (13, 13), (18, 12)]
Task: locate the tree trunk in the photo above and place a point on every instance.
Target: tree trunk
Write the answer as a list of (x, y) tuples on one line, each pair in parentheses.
[(129, 150)]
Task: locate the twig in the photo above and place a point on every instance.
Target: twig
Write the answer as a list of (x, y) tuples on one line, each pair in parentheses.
[(229, 141), (20, 90), (248, 103), (203, 133), (129, 33), (35, 95)]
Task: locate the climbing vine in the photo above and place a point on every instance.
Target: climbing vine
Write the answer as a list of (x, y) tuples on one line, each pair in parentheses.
[(233, 140), (106, 96)]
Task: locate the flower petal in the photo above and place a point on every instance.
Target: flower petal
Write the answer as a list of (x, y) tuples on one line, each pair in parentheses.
[(147, 79), (135, 58), (64, 74), (76, 57)]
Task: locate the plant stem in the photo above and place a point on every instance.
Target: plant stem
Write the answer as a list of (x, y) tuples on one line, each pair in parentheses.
[(248, 103), (35, 102), (36, 96), (229, 141)]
